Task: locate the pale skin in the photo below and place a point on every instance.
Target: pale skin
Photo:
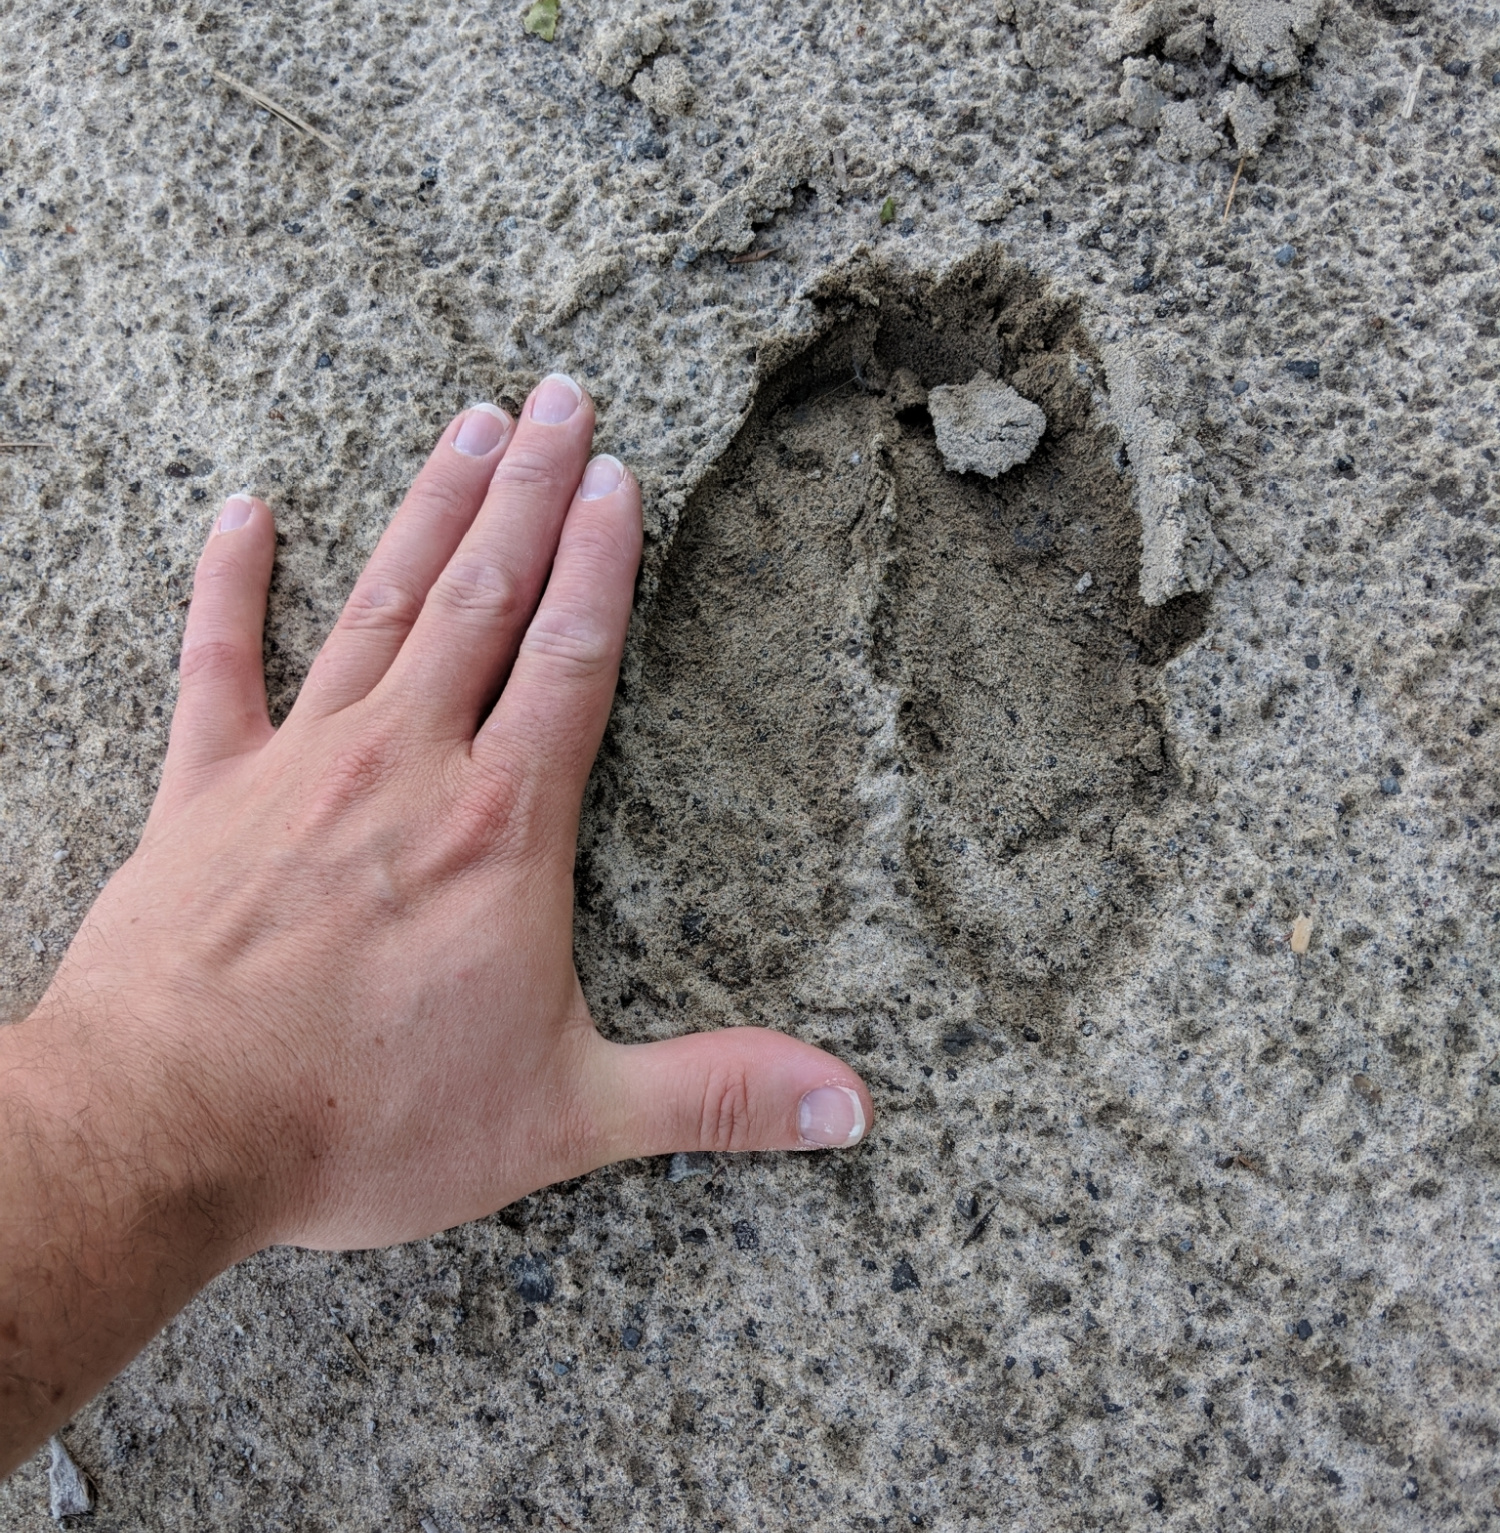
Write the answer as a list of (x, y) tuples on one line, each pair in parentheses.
[(330, 1000)]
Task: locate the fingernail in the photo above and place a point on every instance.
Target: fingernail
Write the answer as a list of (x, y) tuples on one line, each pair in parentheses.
[(556, 398), (831, 1117), (238, 510), (602, 477), (482, 430)]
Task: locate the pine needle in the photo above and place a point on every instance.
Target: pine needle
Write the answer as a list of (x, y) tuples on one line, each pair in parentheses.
[(1410, 104), (1229, 200), (25, 446), (290, 118)]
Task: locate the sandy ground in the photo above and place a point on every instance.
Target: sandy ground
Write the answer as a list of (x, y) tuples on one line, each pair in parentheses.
[(1011, 789)]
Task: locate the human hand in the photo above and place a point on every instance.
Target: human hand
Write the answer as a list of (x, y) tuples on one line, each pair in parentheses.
[(330, 999)]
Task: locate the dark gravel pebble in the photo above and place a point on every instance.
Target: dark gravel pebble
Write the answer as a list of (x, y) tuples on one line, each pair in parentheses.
[(1306, 369), (533, 1279), (1286, 254), (324, 360), (630, 1338), (1390, 786), (1304, 1329), (904, 1277)]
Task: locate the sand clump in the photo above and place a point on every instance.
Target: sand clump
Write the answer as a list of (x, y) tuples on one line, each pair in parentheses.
[(984, 426)]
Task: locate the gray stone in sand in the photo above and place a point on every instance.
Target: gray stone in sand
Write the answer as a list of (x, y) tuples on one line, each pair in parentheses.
[(71, 1495), (984, 426)]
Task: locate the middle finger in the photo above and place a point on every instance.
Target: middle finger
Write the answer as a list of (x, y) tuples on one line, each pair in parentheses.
[(456, 658)]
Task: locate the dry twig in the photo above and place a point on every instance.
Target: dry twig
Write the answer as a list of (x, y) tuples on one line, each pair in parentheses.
[(290, 118), (753, 255), (24, 446), (1229, 200)]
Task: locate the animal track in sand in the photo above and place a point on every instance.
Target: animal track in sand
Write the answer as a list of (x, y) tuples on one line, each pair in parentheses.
[(883, 703)]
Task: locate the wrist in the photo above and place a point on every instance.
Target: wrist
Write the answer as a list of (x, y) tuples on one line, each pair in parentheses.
[(127, 1116), (113, 1214)]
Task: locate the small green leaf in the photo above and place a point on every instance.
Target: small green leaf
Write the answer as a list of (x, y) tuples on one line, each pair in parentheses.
[(887, 208), (542, 19)]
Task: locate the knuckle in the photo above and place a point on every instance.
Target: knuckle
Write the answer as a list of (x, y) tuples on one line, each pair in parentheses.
[(381, 605), (572, 643), (725, 1112), (476, 586), (527, 465), (495, 807), (355, 772), (218, 572), (444, 489), (210, 659)]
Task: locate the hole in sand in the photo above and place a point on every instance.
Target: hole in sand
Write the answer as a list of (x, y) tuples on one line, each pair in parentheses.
[(876, 714)]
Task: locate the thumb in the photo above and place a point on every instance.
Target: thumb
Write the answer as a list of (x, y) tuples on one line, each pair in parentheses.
[(744, 1088)]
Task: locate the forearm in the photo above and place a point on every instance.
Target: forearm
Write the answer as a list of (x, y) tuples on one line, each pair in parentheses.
[(110, 1220)]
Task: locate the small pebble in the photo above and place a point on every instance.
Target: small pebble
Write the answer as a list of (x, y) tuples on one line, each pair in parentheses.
[(1305, 369), (533, 1279), (1141, 283), (324, 360), (685, 1164), (630, 1338), (1302, 929), (1304, 1329), (1286, 255), (1390, 786), (69, 1491), (1085, 581), (122, 39), (1240, 387)]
